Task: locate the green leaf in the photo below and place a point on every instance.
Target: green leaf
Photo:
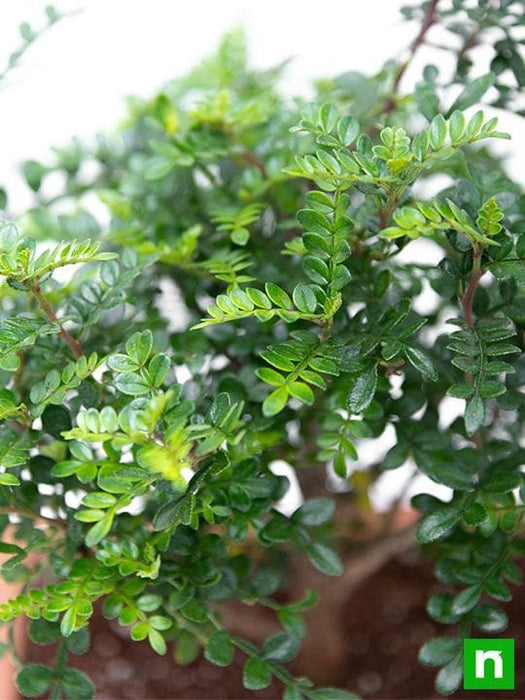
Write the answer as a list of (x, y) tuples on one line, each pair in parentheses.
[(122, 363), (304, 298), (314, 512), (79, 641), (292, 693), (314, 222), (279, 297), (281, 647), (77, 685), (157, 642), (466, 600), (396, 456), (302, 392), (422, 362), (270, 376), (195, 610), (490, 389), (427, 99), (325, 559), (475, 515), (256, 674), (139, 631), (68, 622), (437, 525), (99, 499), (8, 237), (158, 369), (34, 680), (461, 391), (9, 480), (316, 269), (472, 92), (437, 131), (158, 167), (439, 607), (328, 117), (444, 469), (43, 632), (97, 533), (168, 514), (333, 694), (490, 619), (439, 651), (449, 677), (275, 402), (363, 392), (457, 124), (219, 649), (187, 648), (139, 346), (474, 414), (160, 622), (240, 236), (149, 602), (258, 298), (131, 384), (347, 130)]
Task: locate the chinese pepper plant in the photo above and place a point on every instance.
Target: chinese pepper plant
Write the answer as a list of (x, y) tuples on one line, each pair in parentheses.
[(237, 295)]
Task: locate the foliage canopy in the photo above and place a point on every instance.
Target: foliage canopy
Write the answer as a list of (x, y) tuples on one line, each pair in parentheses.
[(240, 295)]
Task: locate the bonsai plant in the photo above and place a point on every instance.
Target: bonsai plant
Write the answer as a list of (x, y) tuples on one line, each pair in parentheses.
[(240, 299)]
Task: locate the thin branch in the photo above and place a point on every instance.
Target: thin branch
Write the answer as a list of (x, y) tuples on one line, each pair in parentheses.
[(253, 160), (467, 303), (361, 566), (17, 55), (431, 18), (467, 300), (24, 512), (46, 307)]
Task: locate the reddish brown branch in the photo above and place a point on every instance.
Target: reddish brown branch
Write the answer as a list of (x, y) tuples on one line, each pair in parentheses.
[(46, 307), (467, 300), (253, 160), (360, 567), (431, 18)]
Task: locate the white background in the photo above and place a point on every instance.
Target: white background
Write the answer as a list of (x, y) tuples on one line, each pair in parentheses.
[(73, 80)]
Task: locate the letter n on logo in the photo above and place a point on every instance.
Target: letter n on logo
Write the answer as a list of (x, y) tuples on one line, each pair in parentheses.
[(488, 664)]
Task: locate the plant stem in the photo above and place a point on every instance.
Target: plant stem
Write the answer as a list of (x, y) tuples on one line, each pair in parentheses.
[(251, 159), (24, 512), (430, 19), (46, 307), (467, 299)]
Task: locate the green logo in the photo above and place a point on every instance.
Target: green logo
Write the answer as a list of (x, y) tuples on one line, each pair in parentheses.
[(488, 664)]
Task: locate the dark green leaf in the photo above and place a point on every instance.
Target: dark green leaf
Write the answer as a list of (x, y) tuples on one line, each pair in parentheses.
[(437, 525), (325, 559), (281, 647), (34, 680), (363, 391), (219, 650), (449, 677), (76, 685), (315, 511), (466, 600), (439, 651), (256, 674), (421, 361)]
